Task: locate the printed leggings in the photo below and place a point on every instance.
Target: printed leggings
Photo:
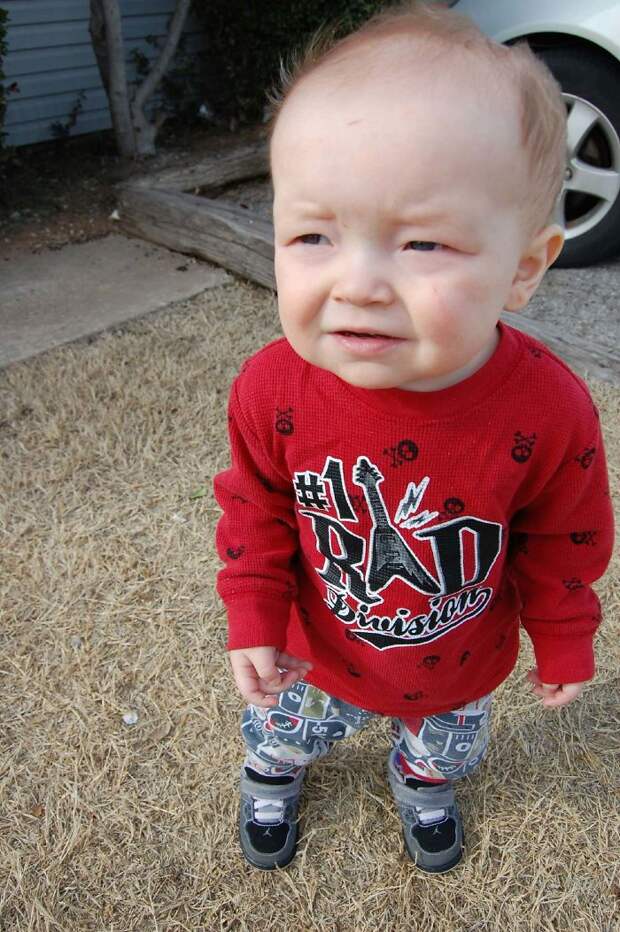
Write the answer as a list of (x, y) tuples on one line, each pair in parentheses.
[(306, 723)]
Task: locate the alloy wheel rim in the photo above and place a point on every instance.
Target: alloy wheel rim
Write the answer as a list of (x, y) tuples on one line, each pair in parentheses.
[(592, 178)]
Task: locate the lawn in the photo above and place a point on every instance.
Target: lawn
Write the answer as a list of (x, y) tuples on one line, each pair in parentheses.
[(119, 741)]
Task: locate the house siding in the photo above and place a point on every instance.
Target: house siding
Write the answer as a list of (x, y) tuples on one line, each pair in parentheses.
[(51, 60)]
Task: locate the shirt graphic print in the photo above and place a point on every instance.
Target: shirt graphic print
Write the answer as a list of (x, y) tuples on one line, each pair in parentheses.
[(357, 571)]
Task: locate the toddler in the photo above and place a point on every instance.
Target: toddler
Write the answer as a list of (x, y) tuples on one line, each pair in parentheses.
[(411, 478)]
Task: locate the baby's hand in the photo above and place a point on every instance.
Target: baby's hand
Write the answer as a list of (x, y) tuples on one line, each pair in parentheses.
[(554, 694), (257, 672)]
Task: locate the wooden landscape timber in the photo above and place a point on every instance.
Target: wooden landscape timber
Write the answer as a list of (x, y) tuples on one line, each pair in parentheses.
[(585, 356), (165, 208), (218, 231), (212, 171), (158, 208)]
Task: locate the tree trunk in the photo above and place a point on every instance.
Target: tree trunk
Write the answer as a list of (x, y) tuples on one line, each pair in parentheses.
[(146, 131), (106, 19), (135, 133), (96, 27)]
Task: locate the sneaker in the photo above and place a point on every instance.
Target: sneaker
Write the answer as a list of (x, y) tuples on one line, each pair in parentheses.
[(268, 822), (432, 826)]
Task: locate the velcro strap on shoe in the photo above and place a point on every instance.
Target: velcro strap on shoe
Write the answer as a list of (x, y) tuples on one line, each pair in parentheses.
[(271, 791), (438, 797)]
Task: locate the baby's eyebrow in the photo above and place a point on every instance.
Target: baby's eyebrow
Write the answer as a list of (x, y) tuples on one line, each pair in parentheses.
[(422, 217), (316, 211), (413, 216), (437, 217), (442, 222)]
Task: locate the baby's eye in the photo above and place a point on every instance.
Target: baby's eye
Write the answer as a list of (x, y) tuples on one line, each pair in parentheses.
[(423, 245), (311, 239)]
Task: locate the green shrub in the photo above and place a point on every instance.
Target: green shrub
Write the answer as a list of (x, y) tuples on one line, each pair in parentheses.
[(245, 40), (3, 19)]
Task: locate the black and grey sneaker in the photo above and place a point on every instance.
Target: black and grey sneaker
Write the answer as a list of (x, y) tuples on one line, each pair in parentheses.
[(268, 821), (432, 826)]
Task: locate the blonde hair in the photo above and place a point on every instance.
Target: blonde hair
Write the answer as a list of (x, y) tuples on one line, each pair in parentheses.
[(439, 30)]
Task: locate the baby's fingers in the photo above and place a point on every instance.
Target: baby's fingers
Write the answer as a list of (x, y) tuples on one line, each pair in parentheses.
[(248, 685), (288, 662), (564, 694), (247, 675), (553, 695), (253, 693), (262, 673), (284, 681)]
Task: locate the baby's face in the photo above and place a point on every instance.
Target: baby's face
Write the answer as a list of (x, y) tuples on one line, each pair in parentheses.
[(398, 229)]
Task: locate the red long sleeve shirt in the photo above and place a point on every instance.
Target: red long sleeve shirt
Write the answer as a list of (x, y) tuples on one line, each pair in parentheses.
[(396, 539)]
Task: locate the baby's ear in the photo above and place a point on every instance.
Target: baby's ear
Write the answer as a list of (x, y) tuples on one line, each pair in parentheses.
[(541, 252)]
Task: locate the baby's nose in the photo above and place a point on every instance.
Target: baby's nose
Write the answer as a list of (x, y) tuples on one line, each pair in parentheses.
[(362, 282)]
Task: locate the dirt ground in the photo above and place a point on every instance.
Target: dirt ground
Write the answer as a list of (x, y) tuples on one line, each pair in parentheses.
[(64, 191)]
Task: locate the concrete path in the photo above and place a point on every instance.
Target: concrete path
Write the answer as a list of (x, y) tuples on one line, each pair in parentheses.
[(58, 296)]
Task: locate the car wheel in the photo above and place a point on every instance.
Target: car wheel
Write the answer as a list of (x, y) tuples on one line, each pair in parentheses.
[(589, 205)]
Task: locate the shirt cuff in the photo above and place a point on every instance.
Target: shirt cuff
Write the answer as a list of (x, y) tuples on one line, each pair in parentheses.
[(255, 621), (564, 659)]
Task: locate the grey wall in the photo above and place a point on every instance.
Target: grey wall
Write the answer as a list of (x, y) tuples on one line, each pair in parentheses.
[(51, 59)]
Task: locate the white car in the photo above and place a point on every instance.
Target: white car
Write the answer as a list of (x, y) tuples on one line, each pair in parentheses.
[(580, 42)]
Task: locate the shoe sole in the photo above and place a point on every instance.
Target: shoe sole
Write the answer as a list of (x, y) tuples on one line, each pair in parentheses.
[(271, 867)]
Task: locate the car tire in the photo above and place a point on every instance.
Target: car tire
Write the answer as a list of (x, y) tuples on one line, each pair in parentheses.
[(590, 80)]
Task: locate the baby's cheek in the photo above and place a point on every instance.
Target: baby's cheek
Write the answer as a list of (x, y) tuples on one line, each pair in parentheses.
[(462, 304), (491, 287), (447, 305), (475, 290), (290, 301), (297, 298)]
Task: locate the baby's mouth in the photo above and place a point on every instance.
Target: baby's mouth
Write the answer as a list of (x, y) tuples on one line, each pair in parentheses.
[(366, 342), (366, 334)]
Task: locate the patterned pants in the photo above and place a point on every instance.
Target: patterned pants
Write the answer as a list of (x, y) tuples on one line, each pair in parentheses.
[(307, 721)]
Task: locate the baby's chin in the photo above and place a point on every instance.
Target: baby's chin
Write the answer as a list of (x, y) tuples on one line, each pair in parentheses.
[(360, 374), (366, 376), (376, 381)]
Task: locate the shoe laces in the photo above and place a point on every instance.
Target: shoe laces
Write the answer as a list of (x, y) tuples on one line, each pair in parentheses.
[(430, 816), (268, 811)]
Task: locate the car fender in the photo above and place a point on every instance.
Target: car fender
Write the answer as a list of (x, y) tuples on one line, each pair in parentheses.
[(505, 20)]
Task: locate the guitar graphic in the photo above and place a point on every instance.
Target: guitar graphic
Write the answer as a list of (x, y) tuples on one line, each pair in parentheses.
[(389, 554)]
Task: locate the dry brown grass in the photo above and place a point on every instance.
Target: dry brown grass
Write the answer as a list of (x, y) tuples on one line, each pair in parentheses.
[(108, 606)]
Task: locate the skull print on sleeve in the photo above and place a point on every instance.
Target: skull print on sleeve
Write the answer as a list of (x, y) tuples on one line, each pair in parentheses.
[(560, 543), (256, 538)]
